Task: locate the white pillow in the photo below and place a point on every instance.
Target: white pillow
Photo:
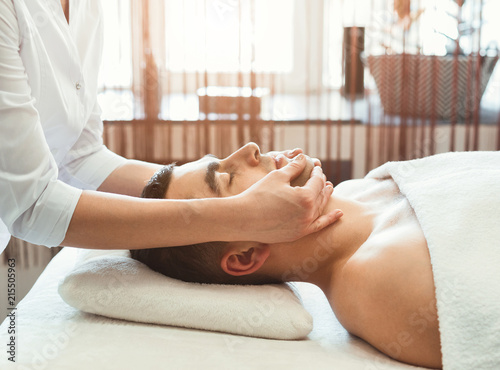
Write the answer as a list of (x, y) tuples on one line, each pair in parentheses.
[(113, 284)]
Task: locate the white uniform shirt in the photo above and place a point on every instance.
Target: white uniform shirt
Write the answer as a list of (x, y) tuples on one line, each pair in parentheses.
[(50, 127)]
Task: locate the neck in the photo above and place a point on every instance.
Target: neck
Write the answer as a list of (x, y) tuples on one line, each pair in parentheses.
[(65, 6), (319, 258)]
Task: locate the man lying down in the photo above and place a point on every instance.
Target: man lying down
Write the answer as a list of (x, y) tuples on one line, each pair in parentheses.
[(373, 265)]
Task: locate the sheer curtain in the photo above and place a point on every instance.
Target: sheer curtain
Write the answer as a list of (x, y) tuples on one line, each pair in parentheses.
[(184, 78)]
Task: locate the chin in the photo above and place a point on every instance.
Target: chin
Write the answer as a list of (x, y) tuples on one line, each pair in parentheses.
[(305, 175)]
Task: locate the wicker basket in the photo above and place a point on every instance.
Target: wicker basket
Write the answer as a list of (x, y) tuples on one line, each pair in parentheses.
[(427, 84)]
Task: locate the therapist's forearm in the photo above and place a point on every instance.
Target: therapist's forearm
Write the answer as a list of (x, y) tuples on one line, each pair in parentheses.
[(110, 221)]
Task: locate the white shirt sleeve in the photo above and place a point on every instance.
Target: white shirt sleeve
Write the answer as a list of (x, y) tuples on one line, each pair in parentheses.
[(34, 204), (89, 162)]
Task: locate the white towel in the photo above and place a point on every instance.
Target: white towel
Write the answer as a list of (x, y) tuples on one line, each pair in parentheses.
[(456, 197), (114, 285)]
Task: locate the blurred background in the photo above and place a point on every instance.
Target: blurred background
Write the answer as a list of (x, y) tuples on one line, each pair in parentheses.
[(355, 83)]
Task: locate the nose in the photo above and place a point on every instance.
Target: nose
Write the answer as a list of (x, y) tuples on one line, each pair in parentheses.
[(250, 153)]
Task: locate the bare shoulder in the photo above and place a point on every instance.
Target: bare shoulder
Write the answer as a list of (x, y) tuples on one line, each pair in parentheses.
[(351, 188), (391, 302), (385, 291)]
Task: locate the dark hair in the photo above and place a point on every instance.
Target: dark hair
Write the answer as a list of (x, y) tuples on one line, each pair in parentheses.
[(199, 263), (158, 184)]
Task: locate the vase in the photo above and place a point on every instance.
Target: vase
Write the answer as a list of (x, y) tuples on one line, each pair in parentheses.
[(423, 85)]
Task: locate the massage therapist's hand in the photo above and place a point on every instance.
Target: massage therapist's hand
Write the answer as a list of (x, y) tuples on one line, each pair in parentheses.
[(278, 212)]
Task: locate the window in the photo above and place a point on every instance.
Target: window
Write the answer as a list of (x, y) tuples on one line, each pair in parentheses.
[(115, 77), (223, 36), (187, 38), (160, 55)]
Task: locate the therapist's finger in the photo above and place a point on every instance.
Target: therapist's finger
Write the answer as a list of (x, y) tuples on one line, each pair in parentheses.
[(324, 220), (321, 220), (293, 169), (316, 162), (293, 153), (323, 198), (317, 181)]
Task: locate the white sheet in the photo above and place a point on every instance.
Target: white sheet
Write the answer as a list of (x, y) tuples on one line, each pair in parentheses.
[(54, 336)]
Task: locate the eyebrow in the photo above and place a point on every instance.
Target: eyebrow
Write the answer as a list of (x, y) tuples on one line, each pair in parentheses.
[(210, 177)]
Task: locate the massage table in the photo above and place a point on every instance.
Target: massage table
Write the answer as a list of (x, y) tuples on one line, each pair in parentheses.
[(55, 336), (455, 197)]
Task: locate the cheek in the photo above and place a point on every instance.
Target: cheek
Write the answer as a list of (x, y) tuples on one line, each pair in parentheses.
[(247, 180)]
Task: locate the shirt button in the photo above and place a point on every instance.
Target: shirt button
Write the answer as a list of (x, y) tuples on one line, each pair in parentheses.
[(78, 86)]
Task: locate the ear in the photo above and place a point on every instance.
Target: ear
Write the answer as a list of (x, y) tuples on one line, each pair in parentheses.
[(245, 258)]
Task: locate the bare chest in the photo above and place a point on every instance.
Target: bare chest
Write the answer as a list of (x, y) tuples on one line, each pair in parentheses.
[(394, 222)]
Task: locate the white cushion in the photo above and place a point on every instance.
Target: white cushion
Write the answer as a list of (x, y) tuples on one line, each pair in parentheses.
[(113, 284)]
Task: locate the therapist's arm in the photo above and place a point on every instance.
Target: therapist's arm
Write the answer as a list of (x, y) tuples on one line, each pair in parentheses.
[(270, 211)]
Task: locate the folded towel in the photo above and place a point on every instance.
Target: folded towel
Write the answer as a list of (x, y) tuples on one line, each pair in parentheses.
[(114, 285), (456, 198)]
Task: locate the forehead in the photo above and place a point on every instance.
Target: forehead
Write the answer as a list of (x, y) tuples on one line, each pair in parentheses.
[(188, 180)]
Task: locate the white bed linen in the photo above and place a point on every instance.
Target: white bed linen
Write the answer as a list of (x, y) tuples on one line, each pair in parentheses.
[(52, 335)]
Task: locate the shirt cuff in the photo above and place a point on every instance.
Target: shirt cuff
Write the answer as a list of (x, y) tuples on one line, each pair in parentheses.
[(53, 214), (89, 173)]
